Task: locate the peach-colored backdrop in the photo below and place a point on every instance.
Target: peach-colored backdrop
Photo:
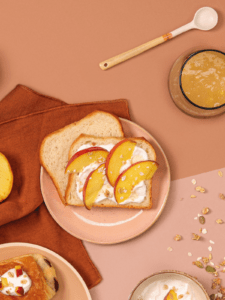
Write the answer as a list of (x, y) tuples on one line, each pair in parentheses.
[(55, 46)]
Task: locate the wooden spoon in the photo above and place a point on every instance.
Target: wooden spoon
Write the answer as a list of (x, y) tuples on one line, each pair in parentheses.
[(205, 18)]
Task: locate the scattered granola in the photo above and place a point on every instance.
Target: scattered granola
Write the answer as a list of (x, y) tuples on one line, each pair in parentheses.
[(165, 287), (221, 196), (210, 269), (198, 264), (202, 190), (195, 236), (177, 237), (220, 173), (169, 249), (219, 221), (198, 188), (205, 210), (201, 220), (205, 260), (215, 283), (217, 267)]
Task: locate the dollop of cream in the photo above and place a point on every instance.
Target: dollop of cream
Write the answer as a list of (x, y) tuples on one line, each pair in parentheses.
[(158, 290), (107, 192), (23, 281)]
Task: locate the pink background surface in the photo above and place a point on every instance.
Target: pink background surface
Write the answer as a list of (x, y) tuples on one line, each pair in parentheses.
[(55, 46), (124, 265)]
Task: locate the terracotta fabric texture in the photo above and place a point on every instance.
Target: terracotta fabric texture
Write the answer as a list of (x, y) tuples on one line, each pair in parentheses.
[(26, 117)]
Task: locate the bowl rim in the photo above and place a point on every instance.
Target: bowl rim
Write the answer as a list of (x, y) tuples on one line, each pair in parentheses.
[(181, 71), (167, 272)]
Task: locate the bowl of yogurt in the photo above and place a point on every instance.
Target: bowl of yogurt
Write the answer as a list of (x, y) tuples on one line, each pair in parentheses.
[(169, 285)]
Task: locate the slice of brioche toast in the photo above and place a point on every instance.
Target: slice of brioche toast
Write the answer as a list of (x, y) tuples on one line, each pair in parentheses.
[(72, 197), (41, 272), (55, 147)]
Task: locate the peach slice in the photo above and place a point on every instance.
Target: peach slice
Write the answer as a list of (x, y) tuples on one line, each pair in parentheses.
[(85, 157), (6, 178), (4, 282), (93, 185), (132, 176), (171, 296), (19, 290), (119, 154), (19, 271), (1, 286)]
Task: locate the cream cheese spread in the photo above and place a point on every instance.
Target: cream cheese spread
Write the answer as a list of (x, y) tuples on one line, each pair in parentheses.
[(23, 281), (107, 192), (159, 290)]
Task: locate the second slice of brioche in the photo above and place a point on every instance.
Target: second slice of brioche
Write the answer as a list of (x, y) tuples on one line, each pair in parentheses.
[(71, 194), (55, 147)]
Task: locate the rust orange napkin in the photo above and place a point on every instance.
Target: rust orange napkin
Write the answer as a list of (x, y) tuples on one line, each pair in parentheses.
[(26, 117)]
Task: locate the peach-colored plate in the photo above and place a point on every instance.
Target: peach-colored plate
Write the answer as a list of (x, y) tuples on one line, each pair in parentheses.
[(111, 225), (144, 288), (71, 284)]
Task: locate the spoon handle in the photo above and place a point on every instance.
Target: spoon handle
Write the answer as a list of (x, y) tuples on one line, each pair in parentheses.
[(111, 62), (183, 29)]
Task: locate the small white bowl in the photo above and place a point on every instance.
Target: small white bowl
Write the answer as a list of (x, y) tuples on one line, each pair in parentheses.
[(200, 292)]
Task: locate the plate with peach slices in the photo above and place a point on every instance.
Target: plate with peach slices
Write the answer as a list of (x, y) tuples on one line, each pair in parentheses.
[(117, 221)]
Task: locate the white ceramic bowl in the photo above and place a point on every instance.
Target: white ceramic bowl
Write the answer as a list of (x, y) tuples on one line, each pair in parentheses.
[(200, 292)]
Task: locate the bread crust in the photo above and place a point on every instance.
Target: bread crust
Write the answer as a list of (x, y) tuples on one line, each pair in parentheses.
[(40, 270), (91, 116), (82, 139)]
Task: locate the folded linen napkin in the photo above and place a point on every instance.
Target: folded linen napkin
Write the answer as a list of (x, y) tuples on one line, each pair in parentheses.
[(26, 117)]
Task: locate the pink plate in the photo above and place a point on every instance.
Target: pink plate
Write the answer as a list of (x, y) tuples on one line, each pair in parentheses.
[(111, 225), (71, 284)]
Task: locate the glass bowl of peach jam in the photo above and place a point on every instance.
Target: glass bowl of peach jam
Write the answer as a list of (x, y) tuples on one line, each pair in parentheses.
[(197, 82)]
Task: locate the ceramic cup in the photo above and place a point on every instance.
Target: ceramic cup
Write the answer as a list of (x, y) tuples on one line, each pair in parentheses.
[(180, 97)]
